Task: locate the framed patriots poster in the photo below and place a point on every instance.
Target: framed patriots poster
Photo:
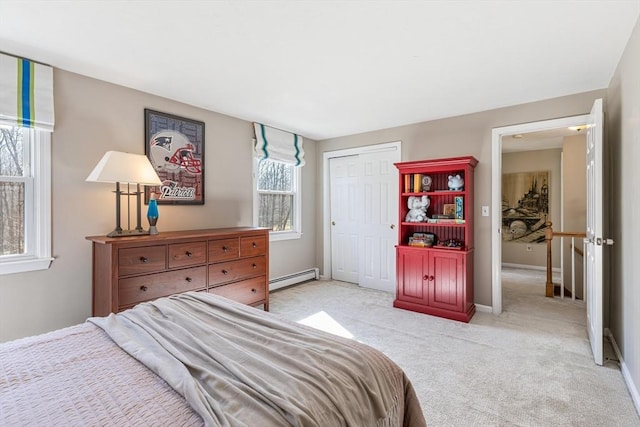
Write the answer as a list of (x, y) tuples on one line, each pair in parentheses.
[(175, 147)]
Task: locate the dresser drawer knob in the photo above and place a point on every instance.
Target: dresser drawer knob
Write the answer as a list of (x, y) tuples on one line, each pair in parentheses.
[(225, 249), (253, 291), (255, 245), (254, 265), (143, 288), (144, 259), (225, 272), (425, 277), (188, 254), (188, 279)]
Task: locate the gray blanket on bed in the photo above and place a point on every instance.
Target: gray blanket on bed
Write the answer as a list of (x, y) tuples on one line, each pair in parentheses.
[(238, 366)]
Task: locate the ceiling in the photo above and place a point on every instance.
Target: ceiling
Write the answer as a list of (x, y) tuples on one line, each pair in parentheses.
[(326, 69), (540, 140)]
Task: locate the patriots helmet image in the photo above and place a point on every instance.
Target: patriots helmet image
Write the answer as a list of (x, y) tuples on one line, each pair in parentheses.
[(171, 151)]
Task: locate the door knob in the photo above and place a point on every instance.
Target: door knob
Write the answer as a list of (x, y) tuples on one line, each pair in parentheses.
[(333, 223)]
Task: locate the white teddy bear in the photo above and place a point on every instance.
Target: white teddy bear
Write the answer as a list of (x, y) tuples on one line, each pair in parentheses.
[(417, 209)]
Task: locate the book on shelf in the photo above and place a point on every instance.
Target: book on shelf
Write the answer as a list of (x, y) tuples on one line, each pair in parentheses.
[(441, 216), (413, 183), (422, 239), (445, 221), (417, 182), (459, 207)]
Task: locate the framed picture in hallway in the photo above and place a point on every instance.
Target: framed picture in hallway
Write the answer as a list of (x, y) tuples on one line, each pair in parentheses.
[(525, 206)]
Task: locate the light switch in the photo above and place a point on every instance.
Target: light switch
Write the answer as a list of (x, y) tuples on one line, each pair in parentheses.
[(485, 211)]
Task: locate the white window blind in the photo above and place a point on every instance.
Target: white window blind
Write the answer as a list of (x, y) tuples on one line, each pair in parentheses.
[(26, 93), (278, 145)]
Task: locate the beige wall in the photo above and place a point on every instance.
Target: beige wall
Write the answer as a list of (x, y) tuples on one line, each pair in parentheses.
[(622, 126), (574, 201), (460, 136), (92, 117), (533, 161)]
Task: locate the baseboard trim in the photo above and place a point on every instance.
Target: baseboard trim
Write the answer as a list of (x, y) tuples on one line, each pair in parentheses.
[(633, 389), (484, 308), (293, 279), (530, 267)]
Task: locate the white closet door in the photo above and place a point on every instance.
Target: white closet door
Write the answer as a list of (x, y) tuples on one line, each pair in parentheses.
[(344, 176), (363, 197), (378, 233)]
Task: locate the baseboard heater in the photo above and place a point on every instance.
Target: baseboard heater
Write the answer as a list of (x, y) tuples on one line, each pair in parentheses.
[(292, 279)]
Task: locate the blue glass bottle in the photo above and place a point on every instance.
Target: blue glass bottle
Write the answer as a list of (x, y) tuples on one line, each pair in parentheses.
[(152, 214)]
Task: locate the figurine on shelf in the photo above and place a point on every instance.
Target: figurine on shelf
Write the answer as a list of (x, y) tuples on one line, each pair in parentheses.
[(417, 209), (456, 183)]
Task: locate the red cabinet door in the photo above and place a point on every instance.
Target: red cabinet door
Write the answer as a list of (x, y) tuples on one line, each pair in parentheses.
[(446, 280), (412, 274)]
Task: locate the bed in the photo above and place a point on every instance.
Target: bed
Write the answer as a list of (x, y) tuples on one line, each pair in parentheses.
[(196, 359)]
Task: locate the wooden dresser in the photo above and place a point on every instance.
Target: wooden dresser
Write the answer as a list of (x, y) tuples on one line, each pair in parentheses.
[(231, 262)]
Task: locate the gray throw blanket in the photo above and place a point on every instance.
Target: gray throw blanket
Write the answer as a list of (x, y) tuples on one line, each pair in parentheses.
[(238, 366)]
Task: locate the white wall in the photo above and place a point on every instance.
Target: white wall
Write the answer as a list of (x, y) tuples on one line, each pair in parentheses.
[(92, 117), (622, 126)]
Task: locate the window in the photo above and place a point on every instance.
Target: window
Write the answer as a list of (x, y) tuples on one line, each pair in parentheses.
[(25, 199), (277, 198)]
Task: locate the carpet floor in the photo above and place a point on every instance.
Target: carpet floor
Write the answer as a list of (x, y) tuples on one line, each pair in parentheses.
[(529, 366)]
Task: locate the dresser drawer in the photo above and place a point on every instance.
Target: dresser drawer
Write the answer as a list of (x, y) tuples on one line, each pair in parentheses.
[(141, 260), (223, 249), (253, 246), (248, 291), (186, 254), (137, 289), (236, 270)]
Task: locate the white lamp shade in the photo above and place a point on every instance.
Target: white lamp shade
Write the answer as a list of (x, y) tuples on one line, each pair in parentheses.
[(116, 166)]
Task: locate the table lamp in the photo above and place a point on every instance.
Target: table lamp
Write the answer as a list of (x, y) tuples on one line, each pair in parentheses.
[(120, 168)]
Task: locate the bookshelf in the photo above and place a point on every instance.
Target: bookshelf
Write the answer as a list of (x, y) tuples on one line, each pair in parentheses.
[(434, 255)]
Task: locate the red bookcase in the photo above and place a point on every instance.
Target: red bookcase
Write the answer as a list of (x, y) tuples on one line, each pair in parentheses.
[(434, 255)]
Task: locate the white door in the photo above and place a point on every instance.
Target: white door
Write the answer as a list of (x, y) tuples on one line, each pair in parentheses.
[(363, 197), (594, 240), (344, 173), (377, 234)]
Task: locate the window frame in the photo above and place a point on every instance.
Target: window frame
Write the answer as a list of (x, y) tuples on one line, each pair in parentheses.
[(37, 201), (296, 226)]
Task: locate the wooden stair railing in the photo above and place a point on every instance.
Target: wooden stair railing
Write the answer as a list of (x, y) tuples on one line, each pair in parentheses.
[(549, 234)]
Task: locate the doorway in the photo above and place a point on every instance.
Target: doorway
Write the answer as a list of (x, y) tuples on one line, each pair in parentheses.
[(499, 136), (360, 211)]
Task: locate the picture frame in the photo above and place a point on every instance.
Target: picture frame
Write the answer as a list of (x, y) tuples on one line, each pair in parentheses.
[(175, 147), (525, 206), (449, 209)]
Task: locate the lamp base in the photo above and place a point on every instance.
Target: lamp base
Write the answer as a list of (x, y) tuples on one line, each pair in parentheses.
[(153, 229), (127, 233)]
